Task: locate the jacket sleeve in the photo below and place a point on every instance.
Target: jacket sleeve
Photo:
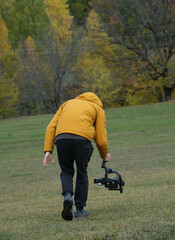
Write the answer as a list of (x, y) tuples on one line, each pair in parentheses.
[(50, 131), (101, 134)]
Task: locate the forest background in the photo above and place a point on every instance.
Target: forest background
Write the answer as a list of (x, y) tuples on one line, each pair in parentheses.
[(53, 50)]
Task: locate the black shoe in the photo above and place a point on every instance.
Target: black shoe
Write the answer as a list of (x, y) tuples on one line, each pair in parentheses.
[(81, 213), (67, 208)]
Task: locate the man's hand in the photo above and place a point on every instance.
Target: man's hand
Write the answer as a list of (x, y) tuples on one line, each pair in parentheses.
[(107, 159), (48, 157)]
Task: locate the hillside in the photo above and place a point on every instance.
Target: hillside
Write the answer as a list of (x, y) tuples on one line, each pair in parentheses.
[(141, 141)]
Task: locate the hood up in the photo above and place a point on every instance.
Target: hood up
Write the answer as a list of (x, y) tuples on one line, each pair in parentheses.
[(90, 96)]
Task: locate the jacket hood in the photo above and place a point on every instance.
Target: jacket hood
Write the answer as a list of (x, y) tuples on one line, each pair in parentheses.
[(90, 96)]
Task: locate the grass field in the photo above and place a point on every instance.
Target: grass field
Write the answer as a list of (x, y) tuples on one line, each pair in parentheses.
[(142, 147)]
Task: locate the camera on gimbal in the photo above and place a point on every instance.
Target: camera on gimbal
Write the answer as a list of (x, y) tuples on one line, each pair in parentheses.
[(115, 183)]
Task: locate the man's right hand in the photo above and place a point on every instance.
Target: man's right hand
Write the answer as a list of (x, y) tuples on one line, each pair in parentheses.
[(107, 159)]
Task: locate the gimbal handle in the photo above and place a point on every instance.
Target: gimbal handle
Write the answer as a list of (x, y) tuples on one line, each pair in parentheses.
[(103, 165), (109, 170)]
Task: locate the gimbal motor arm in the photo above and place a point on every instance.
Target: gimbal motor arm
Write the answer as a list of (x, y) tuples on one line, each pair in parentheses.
[(115, 183)]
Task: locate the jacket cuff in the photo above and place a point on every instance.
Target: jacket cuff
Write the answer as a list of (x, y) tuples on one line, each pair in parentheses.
[(48, 151)]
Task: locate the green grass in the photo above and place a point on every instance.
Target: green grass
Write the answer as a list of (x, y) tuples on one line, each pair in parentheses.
[(142, 147)]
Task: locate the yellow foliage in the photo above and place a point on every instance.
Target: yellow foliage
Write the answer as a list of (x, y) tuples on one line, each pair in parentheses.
[(8, 91), (30, 46), (141, 97), (4, 46), (97, 37), (8, 98), (60, 18), (97, 78), (29, 42)]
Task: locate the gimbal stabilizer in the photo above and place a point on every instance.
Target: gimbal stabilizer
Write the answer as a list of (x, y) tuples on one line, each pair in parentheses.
[(115, 183)]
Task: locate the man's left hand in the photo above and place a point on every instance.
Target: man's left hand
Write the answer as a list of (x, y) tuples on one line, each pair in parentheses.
[(48, 157)]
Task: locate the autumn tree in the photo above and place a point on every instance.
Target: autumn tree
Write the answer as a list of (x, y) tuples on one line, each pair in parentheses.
[(94, 72), (8, 63), (48, 64), (147, 29)]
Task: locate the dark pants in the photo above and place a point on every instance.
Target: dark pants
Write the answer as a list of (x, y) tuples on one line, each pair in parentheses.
[(80, 151)]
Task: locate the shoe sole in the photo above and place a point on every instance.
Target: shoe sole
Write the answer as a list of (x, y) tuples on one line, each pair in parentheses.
[(67, 210), (81, 216)]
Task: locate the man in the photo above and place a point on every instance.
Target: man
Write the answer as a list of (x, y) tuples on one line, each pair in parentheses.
[(72, 129)]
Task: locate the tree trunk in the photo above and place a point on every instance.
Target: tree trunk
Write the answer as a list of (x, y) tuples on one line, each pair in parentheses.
[(168, 91)]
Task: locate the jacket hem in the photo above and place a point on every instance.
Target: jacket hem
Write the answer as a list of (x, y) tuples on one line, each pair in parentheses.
[(76, 133)]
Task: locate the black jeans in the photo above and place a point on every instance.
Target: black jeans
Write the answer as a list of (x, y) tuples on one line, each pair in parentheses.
[(80, 151)]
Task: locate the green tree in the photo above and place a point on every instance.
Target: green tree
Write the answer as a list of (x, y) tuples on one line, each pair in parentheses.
[(79, 9), (23, 18)]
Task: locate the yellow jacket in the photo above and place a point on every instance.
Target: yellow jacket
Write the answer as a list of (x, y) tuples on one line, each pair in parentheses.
[(83, 116)]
